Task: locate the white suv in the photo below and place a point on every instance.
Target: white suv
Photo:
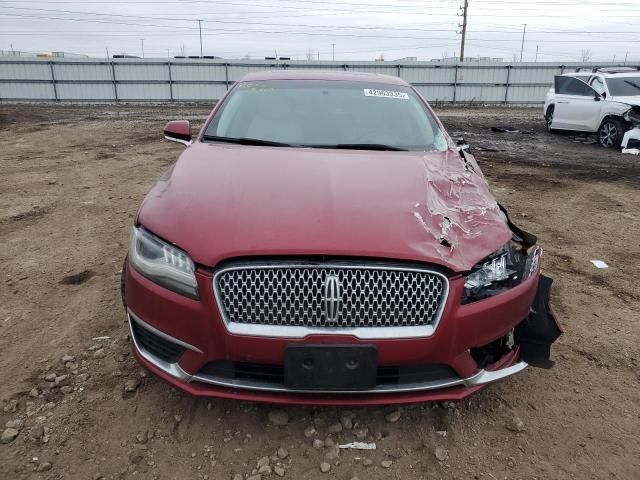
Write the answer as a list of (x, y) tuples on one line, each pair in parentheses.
[(605, 100)]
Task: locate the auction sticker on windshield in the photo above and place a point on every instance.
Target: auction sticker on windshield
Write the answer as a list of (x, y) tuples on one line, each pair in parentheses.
[(371, 92)]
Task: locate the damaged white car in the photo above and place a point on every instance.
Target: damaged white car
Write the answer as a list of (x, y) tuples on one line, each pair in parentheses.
[(605, 101)]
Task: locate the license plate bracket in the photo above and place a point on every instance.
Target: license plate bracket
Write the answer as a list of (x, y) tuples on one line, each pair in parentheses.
[(330, 367)]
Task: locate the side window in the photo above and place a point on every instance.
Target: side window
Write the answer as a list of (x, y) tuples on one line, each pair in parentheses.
[(573, 86), (598, 85)]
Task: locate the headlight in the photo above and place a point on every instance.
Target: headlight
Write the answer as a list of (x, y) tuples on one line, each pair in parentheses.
[(501, 271), (162, 263)]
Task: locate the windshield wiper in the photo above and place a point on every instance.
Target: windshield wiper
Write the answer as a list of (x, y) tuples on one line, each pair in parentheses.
[(633, 84), (363, 146), (245, 141)]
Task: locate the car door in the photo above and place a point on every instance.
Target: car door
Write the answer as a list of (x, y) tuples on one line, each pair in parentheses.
[(577, 105)]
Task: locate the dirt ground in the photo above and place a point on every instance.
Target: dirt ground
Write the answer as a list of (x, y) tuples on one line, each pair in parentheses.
[(71, 180)]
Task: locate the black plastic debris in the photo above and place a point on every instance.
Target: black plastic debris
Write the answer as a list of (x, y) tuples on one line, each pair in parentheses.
[(504, 130), (539, 330)]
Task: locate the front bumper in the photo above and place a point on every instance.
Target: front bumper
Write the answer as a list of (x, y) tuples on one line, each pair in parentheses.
[(197, 328)]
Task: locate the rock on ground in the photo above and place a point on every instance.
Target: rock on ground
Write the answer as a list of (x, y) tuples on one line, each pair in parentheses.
[(9, 435), (514, 424), (392, 417), (441, 454)]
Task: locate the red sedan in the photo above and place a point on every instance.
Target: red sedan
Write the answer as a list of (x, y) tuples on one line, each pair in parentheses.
[(323, 240)]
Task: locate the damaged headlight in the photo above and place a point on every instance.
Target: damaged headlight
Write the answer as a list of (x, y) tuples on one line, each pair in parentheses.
[(162, 263), (502, 270)]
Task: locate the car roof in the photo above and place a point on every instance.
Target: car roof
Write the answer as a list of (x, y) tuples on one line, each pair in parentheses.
[(328, 75), (605, 74)]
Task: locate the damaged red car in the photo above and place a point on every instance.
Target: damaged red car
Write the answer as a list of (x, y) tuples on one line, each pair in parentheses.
[(323, 240)]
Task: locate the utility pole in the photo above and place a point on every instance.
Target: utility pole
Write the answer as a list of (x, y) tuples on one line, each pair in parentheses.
[(524, 32), (200, 28), (625, 57), (333, 51), (464, 28), (537, 48), (142, 41)]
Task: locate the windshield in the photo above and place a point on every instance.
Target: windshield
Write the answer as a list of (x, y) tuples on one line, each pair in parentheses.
[(327, 114), (624, 86)]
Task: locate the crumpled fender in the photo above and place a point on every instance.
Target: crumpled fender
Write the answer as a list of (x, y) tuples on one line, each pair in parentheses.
[(540, 329)]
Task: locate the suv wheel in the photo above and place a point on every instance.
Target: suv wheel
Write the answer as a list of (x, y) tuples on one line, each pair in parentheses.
[(611, 132), (549, 118)]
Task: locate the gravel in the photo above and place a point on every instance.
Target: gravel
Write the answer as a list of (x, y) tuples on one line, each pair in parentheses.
[(335, 428), (17, 424), (279, 417), (346, 422), (131, 385), (392, 417)]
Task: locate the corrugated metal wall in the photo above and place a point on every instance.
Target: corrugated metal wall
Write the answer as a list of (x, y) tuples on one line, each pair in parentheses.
[(184, 80)]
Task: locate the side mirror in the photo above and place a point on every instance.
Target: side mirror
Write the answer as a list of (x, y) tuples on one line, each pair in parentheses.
[(461, 144), (178, 131), (597, 97)]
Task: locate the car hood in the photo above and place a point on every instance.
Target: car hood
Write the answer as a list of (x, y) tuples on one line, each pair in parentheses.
[(629, 100), (221, 201)]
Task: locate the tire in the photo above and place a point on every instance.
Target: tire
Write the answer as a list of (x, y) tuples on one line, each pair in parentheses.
[(549, 118), (611, 132), (123, 277)]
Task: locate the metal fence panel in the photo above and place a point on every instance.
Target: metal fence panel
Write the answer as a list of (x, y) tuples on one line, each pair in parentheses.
[(136, 79), (191, 72), (485, 75), (25, 71), (480, 94), (436, 94), (85, 91), (77, 72), (198, 91), (144, 92), (140, 72), (428, 74), (26, 91)]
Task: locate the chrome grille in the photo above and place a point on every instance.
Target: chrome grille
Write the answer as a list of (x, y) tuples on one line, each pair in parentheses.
[(294, 295)]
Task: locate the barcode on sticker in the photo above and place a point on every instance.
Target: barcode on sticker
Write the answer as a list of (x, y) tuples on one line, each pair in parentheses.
[(371, 92)]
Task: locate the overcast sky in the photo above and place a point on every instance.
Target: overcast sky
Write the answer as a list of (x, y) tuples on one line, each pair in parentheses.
[(562, 30)]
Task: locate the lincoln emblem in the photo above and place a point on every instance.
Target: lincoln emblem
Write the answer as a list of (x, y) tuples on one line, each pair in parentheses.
[(332, 298)]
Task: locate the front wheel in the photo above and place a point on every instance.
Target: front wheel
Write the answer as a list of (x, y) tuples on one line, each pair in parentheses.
[(611, 132), (549, 118)]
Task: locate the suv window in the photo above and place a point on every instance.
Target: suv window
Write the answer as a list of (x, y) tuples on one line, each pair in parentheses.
[(624, 86), (598, 85), (573, 86)]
